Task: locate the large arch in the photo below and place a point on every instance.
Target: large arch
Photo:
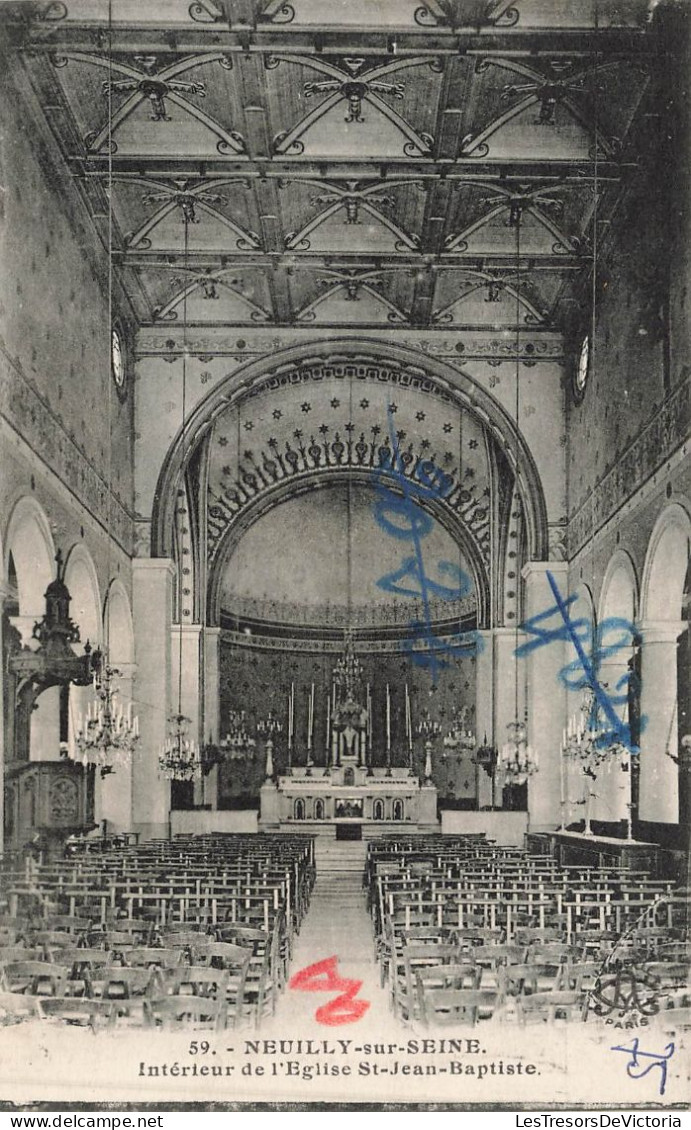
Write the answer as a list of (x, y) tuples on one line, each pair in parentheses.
[(274, 497), (119, 630), (666, 562), (618, 600), (363, 359), (85, 608), (664, 577), (30, 542)]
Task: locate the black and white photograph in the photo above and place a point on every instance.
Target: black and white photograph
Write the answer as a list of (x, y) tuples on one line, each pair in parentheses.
[(345, 551)]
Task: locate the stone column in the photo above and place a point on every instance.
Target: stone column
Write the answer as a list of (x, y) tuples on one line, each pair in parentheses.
[(659, 778), (509, 693), (114, 793), (185, 694), (484, 710), (151, 613), (212, 701), (613, 785), (545, 694)]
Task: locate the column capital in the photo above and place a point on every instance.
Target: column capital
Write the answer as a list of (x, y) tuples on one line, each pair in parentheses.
[(153, 565), (185, 629), (661, 631), (541, 568)]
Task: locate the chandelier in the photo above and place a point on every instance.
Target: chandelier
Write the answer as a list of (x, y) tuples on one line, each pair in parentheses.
[(348, 670), (517, 760), (587, 743), (238, 744), (107, 735), (180, 759), (459, 737)]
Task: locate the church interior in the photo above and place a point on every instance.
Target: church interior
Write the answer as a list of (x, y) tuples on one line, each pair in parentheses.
[(346, 522)]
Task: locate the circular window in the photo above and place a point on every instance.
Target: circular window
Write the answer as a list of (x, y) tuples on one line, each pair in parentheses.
[(117, 359), (582, 371)]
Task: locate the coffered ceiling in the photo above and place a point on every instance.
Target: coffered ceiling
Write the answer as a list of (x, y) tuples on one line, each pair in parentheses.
[(369, 162)]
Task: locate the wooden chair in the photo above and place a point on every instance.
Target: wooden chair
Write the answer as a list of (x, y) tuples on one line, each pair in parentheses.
[(457, 1006), (235, 960), (410, 960), (197, 980), (96, 1014), (154, 957), (16, 1007), (550, 1006), (36, 978), (189, 1012)]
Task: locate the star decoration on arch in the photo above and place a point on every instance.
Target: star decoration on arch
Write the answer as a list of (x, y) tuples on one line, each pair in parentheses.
[(393, 408), (223, 441), (248, 425), (425, 444), (448, 428), (297, 434), (277, 414), (364, 403), (323, 428), (305, 407), (420, 416), (472, 444), (335, 403)]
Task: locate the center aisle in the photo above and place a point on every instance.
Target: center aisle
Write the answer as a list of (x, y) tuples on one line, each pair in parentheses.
[(338, 925)]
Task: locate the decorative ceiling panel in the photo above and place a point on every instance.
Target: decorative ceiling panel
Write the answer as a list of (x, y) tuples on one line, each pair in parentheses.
[(369, 162)]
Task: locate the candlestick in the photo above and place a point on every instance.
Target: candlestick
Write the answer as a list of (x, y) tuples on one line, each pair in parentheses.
[(388, 719), (408, 719)]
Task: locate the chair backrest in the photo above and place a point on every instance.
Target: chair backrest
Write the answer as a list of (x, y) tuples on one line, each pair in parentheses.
[(122, 982), (203, 980), (548, 1006), (38, 978), (19, 1006), (223, 953), (152, 956), (674, 1019), (499, 954), (457, 1006), (186, 1011)]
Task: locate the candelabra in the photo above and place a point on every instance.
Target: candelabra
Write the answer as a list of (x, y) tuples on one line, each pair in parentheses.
[(426, 727), (585, 743), (238, 744), (107, 735), (180, 759), (269, 726), (517, 759)]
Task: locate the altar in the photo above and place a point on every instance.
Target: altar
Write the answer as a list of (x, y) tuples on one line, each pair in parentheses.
[(371, 801), (340, 787)]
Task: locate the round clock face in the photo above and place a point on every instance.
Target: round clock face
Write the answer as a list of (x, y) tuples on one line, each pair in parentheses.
[(583, 367), (117, 359)]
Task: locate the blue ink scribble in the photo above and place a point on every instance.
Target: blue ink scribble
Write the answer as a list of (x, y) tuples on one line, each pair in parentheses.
[(582, 672), (399, 514), (659, 1059)]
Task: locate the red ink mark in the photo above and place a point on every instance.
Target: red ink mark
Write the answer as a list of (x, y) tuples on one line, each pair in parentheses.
[(323, 977)]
